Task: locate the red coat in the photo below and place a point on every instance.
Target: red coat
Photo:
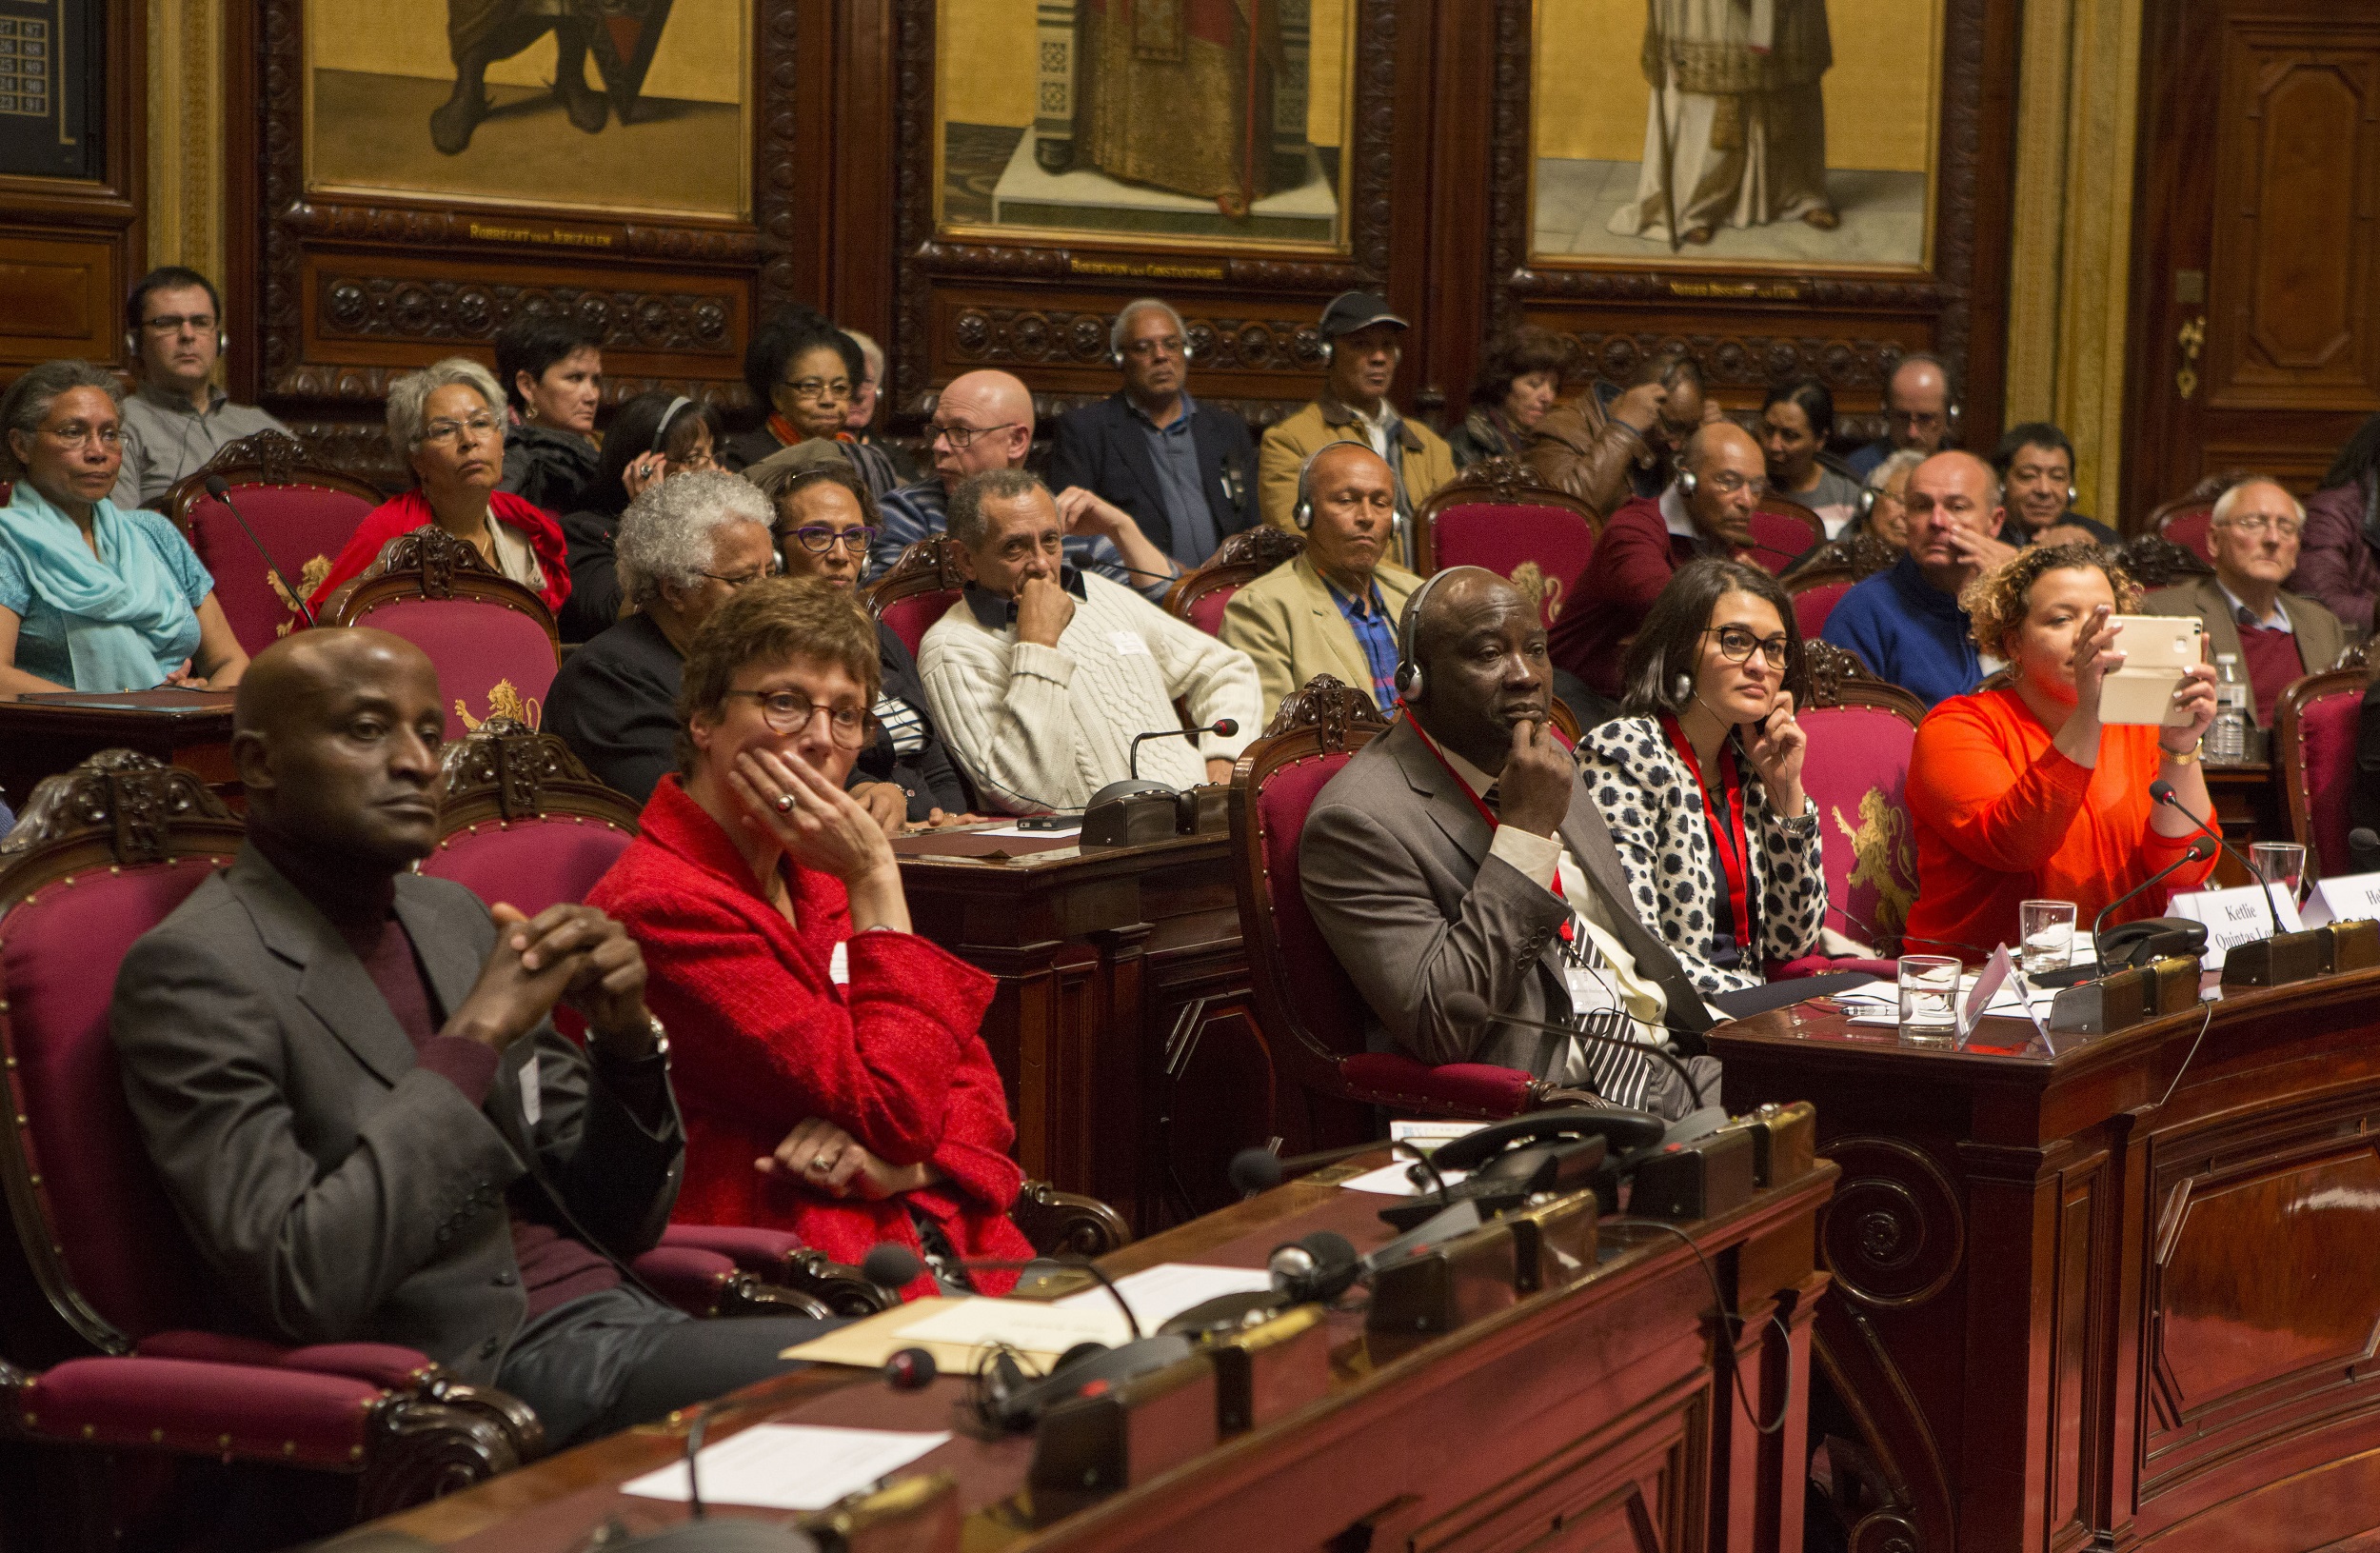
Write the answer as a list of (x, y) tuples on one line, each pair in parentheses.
[(404, 513), (761, 1038)]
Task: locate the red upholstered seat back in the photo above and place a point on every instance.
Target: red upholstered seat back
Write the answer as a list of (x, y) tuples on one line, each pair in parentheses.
[(912, 617), (1546, 548), (301, 527), (1207, 611), (1857, 770), (1811, 606), (1322, 997), (530, 863), (2187, 528), (492, 661), (100, 1202), (1780, 539), (2326, 750)]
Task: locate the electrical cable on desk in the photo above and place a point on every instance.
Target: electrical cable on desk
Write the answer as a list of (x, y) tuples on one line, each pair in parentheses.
[(1730, 1320)]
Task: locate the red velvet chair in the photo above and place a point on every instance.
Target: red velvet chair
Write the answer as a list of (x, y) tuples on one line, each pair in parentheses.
[(2186, 519), (915, 590), (1311, 1014), (1857, 770), (304, 514), (1815, 599), (1818, 583), (2314, 730), (1496, 515), (492, 640), (1202, 595), (1782, 532)]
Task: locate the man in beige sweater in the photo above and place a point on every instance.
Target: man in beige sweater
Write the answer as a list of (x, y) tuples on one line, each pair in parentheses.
[(1039, 676), (1332, 608)]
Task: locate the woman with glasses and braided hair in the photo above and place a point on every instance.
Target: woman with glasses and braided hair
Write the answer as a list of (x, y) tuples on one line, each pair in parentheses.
[(829, 1061), (1700, 779)]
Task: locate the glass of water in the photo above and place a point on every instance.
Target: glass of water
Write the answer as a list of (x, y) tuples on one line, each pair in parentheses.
[(2281, 862), (2046, 930), (1929, 999)]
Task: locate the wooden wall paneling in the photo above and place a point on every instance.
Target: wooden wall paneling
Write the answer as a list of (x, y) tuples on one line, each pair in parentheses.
[(1466, 135), (1845, 325), (70, 248), (858, 271), (1384, 172)]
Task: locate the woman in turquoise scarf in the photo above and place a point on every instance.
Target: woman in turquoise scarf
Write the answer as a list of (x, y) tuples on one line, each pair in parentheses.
[(93, 597)]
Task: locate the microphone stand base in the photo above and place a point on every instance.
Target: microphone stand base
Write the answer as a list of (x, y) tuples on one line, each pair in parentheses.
[(2278, 960)]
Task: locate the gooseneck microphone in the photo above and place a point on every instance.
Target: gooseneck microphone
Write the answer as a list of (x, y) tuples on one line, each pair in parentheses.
[(2198, 851), (2163, 792), (1256, 1170), (220, 489), (1226, 727), (1469, 1010), (893, 1265)]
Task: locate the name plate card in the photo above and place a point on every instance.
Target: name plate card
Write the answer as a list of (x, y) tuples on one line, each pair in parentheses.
[(2355, 897), (2235, 916)]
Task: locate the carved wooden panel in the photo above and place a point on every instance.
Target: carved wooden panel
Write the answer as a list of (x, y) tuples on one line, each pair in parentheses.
[(2290, 316), (65, 296)]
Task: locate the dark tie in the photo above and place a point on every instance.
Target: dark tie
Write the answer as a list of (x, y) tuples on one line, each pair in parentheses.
[(1491, 798)]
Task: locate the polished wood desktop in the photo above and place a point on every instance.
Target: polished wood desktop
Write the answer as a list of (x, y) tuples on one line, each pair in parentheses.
[(2120, 1293), (1593, 1416), (1121, 1027), (43, 735)]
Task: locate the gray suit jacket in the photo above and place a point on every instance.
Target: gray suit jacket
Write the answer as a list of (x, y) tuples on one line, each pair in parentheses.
[(338, 1191), (1397, 873), (2320, 638)]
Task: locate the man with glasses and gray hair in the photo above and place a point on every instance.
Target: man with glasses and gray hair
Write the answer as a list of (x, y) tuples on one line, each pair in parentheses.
[(177, 418), (2275, 636), (983, 422), (1185, 475)]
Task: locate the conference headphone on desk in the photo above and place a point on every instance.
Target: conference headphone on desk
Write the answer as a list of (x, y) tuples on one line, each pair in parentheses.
[(1302, 514), (1410, 683)]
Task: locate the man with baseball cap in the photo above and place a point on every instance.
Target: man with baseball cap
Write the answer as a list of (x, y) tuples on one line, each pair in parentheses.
[(1362, 341)]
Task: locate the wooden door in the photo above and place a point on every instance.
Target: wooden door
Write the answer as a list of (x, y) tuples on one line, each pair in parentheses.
[(2255, 342)]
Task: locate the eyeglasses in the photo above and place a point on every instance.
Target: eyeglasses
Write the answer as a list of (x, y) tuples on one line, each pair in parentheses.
[(1736, 646), (78, 433), (741, 578), (478, 426), (818, 539), (1170, 345), (1727, 483), (704, 460), (197, 323), (962, 437), (819, 388), (790, 711), (2258, 525)]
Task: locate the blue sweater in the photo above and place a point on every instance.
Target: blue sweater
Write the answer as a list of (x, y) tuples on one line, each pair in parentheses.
[(1910, 632)]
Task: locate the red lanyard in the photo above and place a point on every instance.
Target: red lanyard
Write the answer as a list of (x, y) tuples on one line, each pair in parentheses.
[(1725, 817), (1480, 804)]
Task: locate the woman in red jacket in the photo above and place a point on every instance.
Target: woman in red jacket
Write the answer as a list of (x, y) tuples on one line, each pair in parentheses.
[(827, 1060), (2019, 793)]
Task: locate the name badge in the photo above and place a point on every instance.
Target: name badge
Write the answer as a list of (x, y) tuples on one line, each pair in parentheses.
[(2234, 917), (838, 963), (532, 1093), (1128, 643)]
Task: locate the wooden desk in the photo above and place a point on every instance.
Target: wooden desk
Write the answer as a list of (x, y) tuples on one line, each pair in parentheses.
[(1583, 1417), (189, 728), (2073, 1311), (1122, 1025)]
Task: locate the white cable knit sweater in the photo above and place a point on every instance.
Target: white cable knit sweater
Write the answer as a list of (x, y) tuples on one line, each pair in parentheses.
[(1052, 726)]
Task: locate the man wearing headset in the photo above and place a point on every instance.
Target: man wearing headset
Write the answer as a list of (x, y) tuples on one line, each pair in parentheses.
[(1458, 852), (177, 419), (1921, 412), (1333, 608), (1185, 475), (1361, 347), (2035, 463)]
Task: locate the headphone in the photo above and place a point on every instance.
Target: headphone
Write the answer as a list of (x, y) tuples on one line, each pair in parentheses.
[(1116, 329), (1409, 681), (1688, 483), (1950, 382), (660, 432), (1302, 514)]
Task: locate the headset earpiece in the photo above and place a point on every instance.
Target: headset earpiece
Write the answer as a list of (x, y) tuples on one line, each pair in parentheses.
[(1681, 690), (1410, 683), (1688, 483), (1326, 352), (2073, 496), (1867, 501)]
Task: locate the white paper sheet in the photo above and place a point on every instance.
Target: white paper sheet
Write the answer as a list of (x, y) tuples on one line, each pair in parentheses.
[(1157, 1294), (1074, 825), (788, 1466), (1428, 1135), (1046, 1328), (1391, 1180)]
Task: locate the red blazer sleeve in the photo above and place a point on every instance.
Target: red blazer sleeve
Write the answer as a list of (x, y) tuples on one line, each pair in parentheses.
[(1635, 560), (1962, 782), (757, 1041)]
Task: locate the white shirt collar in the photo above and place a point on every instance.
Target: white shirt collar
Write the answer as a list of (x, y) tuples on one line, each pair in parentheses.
[(1476, 780), (1674, 514), (2277, 621)]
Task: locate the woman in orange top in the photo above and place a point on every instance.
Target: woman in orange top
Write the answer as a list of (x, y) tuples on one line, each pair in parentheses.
[(2019, 793)]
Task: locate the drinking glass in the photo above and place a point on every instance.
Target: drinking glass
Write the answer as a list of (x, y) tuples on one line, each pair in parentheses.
[(2046, 930), (1929, 986), (2281, 862)]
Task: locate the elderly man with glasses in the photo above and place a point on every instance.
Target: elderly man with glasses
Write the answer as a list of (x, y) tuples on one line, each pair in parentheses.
[(2273, 635), (983, 422)]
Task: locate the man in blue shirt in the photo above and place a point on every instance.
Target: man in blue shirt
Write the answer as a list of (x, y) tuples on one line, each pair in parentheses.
[(1185, 474), (1906, 624)]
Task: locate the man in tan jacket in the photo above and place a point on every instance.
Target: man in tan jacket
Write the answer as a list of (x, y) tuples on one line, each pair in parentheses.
[(1364, 340), (1333, 607)]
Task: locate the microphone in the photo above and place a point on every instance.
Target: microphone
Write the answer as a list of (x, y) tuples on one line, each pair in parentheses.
[(2199, 851), (893, 1264), (1224, 725), (2363, 848), (220, 489), (1256, 1170), (1470, 1010), (2163, 792)]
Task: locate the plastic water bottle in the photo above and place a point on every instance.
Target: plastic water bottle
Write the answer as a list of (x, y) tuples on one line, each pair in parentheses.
[(2227, 736)]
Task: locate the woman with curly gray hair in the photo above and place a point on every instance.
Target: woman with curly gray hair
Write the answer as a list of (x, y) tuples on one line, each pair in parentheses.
[(447, 422), (93, 596)]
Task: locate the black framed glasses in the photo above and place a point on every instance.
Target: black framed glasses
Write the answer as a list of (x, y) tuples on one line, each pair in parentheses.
[(818, 539), (962, 437), (790, 711), (1737, 645)]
